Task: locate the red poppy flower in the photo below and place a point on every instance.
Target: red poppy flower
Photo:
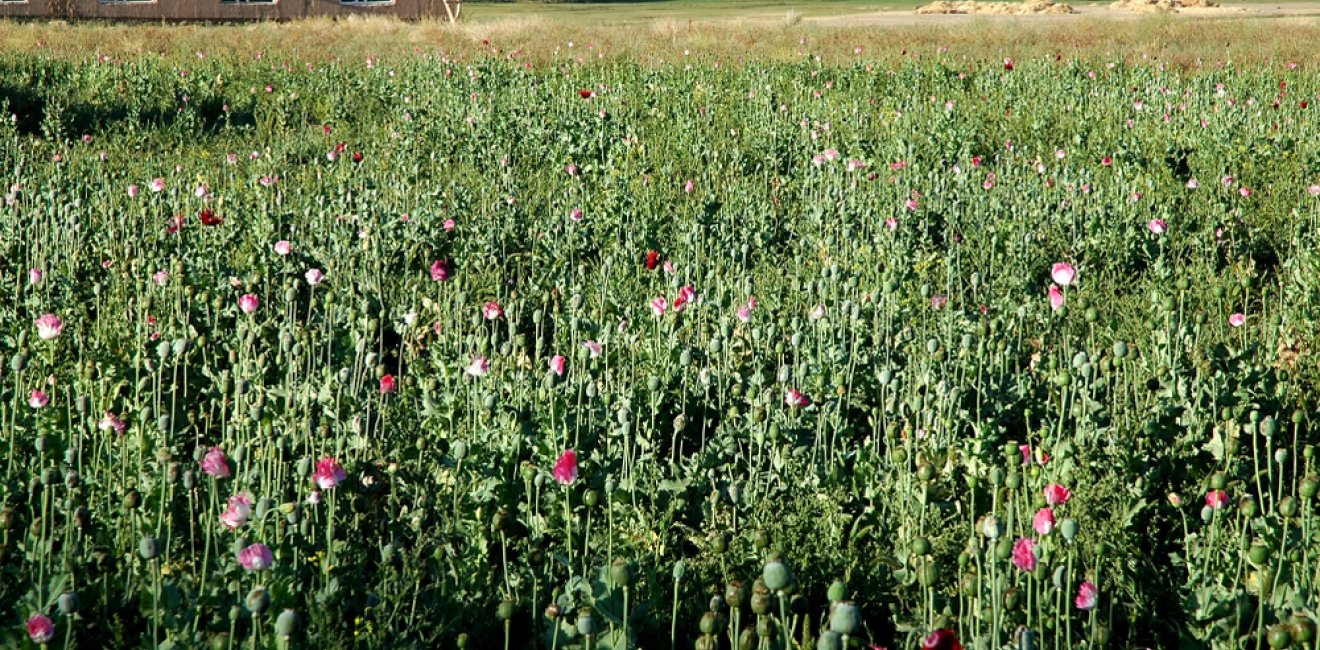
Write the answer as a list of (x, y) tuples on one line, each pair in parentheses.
[(1008, 64), (209, 218), (1304, 105), (586, 94), (174, 224), (357, 157), (340, 146), (652, 259)]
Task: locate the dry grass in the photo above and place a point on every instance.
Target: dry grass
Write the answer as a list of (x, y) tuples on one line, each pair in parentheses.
[(1172, 39)]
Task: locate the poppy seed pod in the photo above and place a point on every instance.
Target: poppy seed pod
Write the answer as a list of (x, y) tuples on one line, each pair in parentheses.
[(735, 593), (68, 603), (845, 618), (286, 624), (148, 548), (621, 573), (776, 574), (712, 623), (258, 600), (586, 625), (504, 611)]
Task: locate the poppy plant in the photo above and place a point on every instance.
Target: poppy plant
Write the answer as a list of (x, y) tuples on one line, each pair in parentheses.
[(566, 468)]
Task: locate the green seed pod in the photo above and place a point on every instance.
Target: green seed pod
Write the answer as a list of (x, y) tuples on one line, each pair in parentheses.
[(747, 640), (735, 594), (504, 611), (837, 591), (845, 618), (766, 628), (132, 499), (1279, 636), (1248, 507), (719, 542), (760, 604), (148, 548), (258, 600), (680, 569), (776, 574), (40, 444), (712, 623), (621, 573), (1259, 553), (1026, 639), (1004, 549), (1303, 629), (1307, 488), (829, 640), (929, 574), (286, 624), (1288, 507), (459, 450), (18, 362), (920, 546), (68, 602), (707, 642), (586, 625)]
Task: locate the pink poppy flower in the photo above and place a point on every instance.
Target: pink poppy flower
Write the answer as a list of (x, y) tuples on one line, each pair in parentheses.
[(237, 511), (479, 367), (557, 364), (448, 225), (1024, 554), (132, 191), (440, 270), (669, 267), (1244, 191), (38, 399), (685, 295), (1087, 596), (1043, 522), (938, 301), (688, 186), (658, 305), (1237, 320), (796, 399), (1157, 226), (160, 278), (593, 348), (387, 384), (1216, 499), (1056, 297), (491, 310), (1056, 495), (328, 473), (891, 223), (575, 215), (1106, 161), (282, 247), (40, 629), (111, 422), (566, 468), (571, 170), (34, 277), (1192, 184), (315, 277), (745, 312), (49, 326), (214, 463), (831, 154), (256, 557), (1313, 190), (248, 303), (156, 185), (1063, 274)]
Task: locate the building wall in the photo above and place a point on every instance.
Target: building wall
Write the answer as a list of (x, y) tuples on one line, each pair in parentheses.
[(215, 10)]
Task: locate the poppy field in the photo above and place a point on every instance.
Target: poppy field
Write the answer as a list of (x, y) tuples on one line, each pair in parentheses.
[(477, 347)]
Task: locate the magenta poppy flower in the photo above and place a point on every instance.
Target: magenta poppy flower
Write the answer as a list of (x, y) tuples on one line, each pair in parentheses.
[(575, 215), (566, 468), (1024, 554), (248, 303), (1157, 226), (328, 473), (132, 191), (796, 399), (34, 277), (491, 310), (659, 305), (1216, 499), (49, 326), (891, 223), (156, 185), (111, 422), (237, 510), (256, 557), (1088, 596), (448, 225), (1237, 320), (1106, 161), (478, 367), (40, 629), (214, 463), (160, 278), (558, 364), (440, 270), (1056, 297), (387, 384), (1063, 274), (1056, 495), (943, 638), (593, 348), (315, 277), (1043, 522), (38, 399), (685, 295)]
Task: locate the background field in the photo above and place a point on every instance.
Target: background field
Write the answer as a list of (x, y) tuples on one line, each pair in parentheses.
[(868, 391)]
